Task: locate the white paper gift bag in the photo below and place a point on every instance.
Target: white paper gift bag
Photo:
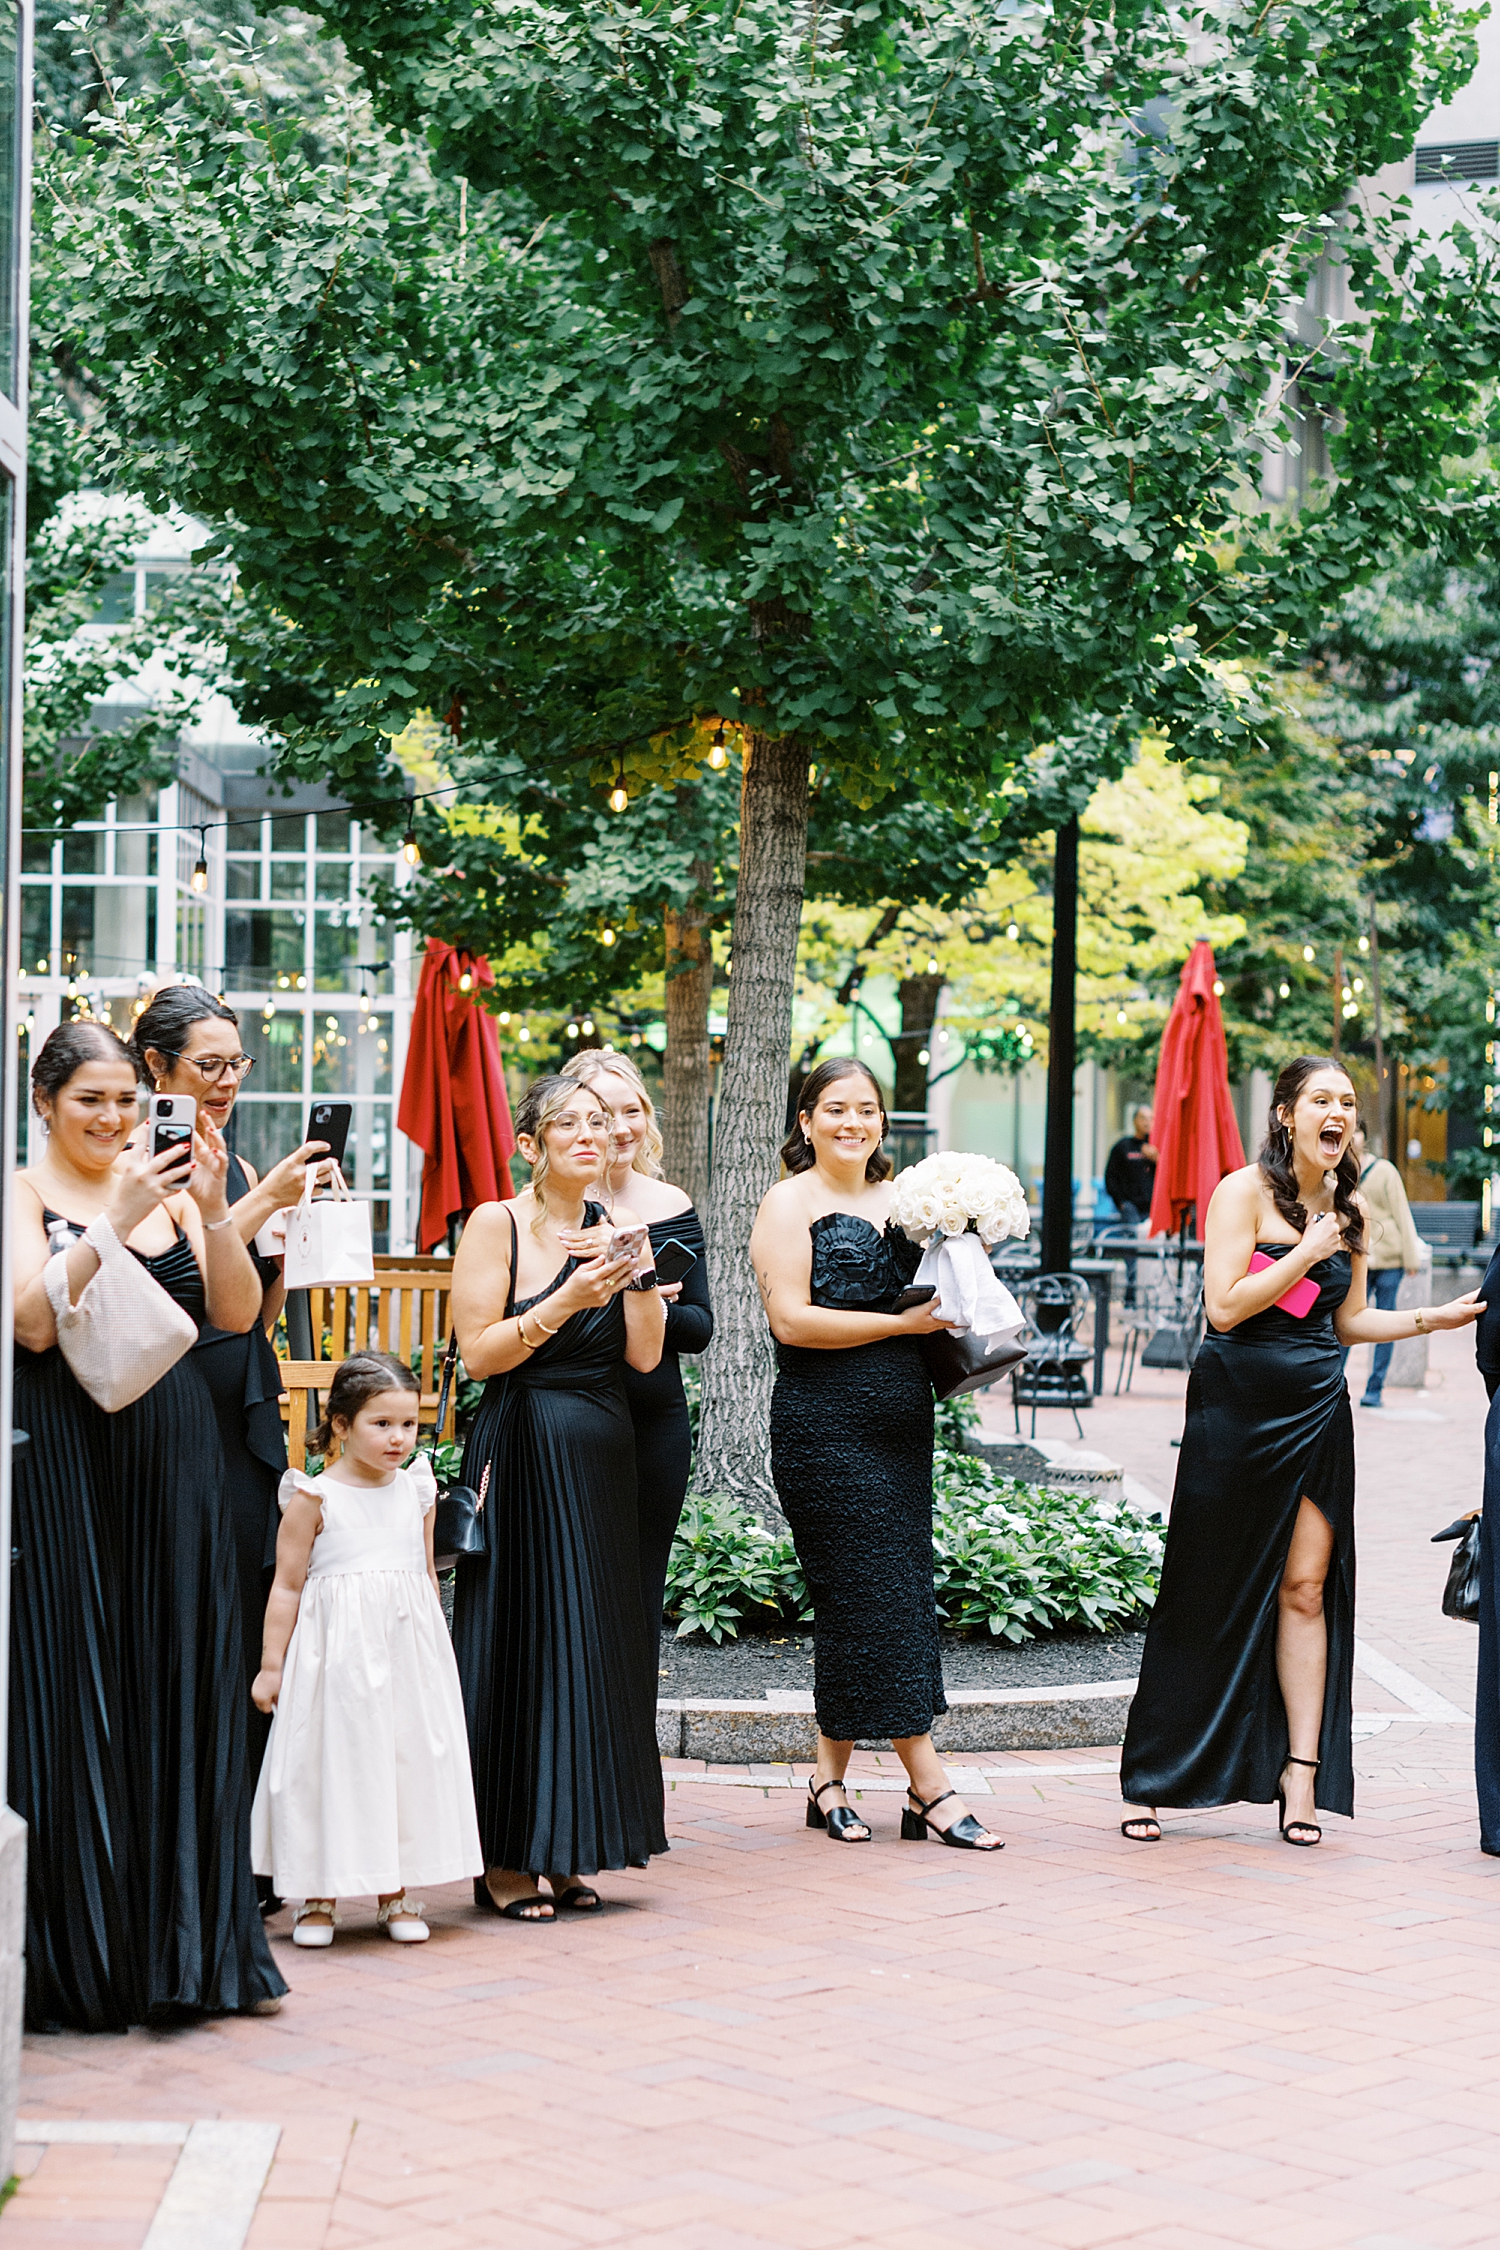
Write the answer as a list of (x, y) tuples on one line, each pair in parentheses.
[(328, 1243)]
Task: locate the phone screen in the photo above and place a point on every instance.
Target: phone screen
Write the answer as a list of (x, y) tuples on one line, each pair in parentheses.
[(329, 1121)]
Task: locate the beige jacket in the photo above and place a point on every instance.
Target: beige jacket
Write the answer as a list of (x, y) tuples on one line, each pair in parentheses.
[(1394, 1240)]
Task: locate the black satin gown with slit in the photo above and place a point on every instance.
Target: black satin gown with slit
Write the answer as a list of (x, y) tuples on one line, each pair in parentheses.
[(659, 1415), (127, 1700), (557, 1667), (851, 1456), (1268, 1423), (244, 1382)]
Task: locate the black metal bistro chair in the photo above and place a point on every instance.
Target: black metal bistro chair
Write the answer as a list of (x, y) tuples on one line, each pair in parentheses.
[(1055, 1371)]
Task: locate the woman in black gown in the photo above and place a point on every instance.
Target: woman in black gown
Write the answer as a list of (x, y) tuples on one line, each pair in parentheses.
[(851, 1450), (127, 1705), (658, 1406), (549, 1631), (189, 1043), (1246, 1686)]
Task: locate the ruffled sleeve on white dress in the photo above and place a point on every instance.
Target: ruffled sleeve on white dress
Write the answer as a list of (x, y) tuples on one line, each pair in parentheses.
[(419, 1469), (294, 1481)]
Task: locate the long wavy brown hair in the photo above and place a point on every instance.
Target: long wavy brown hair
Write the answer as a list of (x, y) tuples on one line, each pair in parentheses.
[(1277, 1165), (796, 1149)]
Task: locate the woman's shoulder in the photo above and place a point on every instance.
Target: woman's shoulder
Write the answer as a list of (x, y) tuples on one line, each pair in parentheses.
[(786, 1201), (655, 1199)]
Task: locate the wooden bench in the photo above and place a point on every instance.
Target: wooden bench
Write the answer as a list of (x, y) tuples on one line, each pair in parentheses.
[(404, 1311)]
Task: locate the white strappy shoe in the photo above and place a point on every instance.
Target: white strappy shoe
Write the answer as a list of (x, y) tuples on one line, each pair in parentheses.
[(307, 1933), (401, 1919)]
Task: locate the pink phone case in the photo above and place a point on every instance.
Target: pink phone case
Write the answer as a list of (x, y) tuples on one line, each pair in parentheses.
[(1299, 1299)]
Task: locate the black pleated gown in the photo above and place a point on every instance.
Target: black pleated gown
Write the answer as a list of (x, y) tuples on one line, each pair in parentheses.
[(659, 1416), (557, 1667), (244, 1382), (851, 1456), (1268, 1423), (127, 1702)]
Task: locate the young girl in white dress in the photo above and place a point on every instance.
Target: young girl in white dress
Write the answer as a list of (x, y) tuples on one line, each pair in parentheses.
[(366, 1783)]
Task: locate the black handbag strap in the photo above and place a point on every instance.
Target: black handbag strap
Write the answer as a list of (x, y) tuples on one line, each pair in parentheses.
[(450, 1362)]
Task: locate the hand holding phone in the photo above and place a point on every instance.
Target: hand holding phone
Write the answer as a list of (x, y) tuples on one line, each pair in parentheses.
[(674, 1261), (329, 1122), (174, 1118)]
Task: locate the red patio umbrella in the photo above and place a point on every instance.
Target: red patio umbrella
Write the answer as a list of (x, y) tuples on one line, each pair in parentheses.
[(453, 1101), (1194, 1125)]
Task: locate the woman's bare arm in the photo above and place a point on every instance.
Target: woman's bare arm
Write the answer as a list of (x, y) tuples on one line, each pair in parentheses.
[(781, 1254), (489, 1340), (1231, 1292)]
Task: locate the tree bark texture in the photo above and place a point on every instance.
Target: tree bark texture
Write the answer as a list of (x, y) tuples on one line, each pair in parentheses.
[(733, 1442), (690, 976), (919, 999)]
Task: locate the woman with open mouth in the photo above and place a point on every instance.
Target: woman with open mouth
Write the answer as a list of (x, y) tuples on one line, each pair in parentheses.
[(1246, 1687)]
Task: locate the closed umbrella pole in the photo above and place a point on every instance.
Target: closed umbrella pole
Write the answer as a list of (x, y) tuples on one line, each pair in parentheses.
[(1062, 1047)]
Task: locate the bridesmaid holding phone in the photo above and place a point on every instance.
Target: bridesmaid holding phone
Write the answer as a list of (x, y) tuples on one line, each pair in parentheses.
[(1246, 1686)]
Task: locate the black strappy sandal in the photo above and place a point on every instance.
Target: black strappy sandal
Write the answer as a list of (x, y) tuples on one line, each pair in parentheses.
[(839, 1821), (575, 1897), (966, 1835), (1314, 1833), (514, 1909), (1141, 1820)]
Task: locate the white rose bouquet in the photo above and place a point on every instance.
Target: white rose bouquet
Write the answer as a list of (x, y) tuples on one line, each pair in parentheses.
[(957, 1207)]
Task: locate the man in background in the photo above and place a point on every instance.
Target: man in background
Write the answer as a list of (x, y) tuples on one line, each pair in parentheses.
[(1130, 1174), (1395, 1248)]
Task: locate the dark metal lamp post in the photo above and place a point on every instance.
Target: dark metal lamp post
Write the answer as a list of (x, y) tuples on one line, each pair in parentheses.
[(1057, 1176)]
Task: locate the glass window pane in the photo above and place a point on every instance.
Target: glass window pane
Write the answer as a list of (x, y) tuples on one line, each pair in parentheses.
[(265, 1132), (124, 928), (367, 1159), (83, 852), (242, 878), (348, 1057), (116, 598), (333, 832), (336, 940), (289, 832), (289, 878), (275, 1043), (36, 929), (332, 878), (78, 928), (36, 855), (263, 948)]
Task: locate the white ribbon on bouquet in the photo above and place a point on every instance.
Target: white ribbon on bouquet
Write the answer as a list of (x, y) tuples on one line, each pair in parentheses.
[(968, 1293)]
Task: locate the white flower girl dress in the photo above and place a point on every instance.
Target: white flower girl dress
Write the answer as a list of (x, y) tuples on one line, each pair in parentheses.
[(366, 1784)]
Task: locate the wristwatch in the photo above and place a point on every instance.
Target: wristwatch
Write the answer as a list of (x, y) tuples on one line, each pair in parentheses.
[(643, 1280)]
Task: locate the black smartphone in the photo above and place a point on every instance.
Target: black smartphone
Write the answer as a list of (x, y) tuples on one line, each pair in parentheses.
[(330, 1121), (173, 1117), (910, 1296), (673, 1260)]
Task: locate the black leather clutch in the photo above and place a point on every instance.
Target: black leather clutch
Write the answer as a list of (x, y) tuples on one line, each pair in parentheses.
[(1461, 1594), (959, 1361)]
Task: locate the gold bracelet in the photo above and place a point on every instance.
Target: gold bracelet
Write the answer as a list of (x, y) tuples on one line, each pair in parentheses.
[(1417, 1317), (526, 1342), (546, 1331)]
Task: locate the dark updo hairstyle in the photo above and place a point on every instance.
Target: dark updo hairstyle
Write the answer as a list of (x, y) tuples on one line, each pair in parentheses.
[(358, 1379), (796, 1150), (172, 1012), (1278, 1168), (64, 1052)]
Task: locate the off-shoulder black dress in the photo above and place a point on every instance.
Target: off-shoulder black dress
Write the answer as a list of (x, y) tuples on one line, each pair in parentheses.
[(549, 1632), (658, 1411), (127, 1699), (851, 1455), (1268, 1424)]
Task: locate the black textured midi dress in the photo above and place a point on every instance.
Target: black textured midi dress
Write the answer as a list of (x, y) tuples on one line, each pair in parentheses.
[(851, 1456), (127, 1700), (659, 1415), (244, 1382), (1268, 1423), (557, 1668)]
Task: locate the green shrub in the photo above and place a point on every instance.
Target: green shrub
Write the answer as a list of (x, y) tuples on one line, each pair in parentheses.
[(1011, 1560)]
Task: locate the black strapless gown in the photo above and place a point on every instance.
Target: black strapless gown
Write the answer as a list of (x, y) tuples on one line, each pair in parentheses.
[(558, 1673), (659, 1414), (244, 1382), (127, 1701), (851, 1455), (1267, 1421)]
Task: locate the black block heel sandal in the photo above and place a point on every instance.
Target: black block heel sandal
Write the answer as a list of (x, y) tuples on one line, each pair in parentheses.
[(1311, 1832), (966, 1835), (840, 1821)]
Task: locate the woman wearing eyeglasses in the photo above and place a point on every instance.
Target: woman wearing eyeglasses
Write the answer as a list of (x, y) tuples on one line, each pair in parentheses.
[(189, 1043)]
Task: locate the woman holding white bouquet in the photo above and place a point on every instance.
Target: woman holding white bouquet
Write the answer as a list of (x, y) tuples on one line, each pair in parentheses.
[(851, 1449)]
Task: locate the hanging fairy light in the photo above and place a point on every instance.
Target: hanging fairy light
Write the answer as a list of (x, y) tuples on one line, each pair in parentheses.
[(619, 796), (466, 982), (411, 850), (606, 935), (718, 755), (199, 876)]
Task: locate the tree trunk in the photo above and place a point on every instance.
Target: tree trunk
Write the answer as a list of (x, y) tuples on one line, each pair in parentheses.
[(690, 977), (919, 999), (733, 1442)]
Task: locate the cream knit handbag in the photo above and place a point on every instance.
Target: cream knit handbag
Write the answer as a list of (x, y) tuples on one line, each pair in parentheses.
[(125, 1332)]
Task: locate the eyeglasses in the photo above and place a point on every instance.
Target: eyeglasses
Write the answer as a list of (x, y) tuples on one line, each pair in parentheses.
[(212, 1067)]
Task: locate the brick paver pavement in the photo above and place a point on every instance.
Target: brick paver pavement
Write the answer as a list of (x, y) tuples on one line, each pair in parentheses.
[(769, 2041)]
